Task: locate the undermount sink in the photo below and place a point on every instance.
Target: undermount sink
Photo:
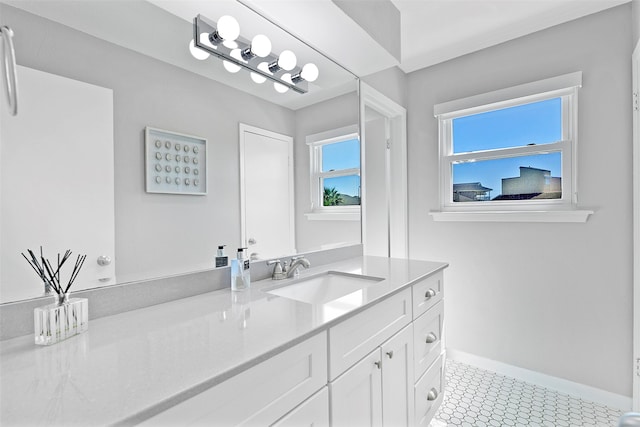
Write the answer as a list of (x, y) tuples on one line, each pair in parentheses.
[(324, 287)]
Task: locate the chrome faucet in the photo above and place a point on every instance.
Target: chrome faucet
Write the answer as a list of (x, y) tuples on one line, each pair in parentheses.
[(283, 270), (296, 262)]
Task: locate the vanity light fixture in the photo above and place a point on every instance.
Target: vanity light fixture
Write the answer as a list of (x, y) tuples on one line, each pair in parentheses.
[(223, 40)]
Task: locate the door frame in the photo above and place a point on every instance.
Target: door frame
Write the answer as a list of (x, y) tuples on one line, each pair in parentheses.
[(635, 59), (245, 128), (397, 212)]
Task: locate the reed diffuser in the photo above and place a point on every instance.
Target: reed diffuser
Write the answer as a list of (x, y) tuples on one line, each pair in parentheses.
[(66, 317)]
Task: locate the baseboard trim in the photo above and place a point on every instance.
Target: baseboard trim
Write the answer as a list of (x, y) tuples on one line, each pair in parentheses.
[(571, 388)]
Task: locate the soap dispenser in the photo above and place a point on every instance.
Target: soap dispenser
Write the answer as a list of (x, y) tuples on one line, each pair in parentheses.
[(221, 259), (240, 272)]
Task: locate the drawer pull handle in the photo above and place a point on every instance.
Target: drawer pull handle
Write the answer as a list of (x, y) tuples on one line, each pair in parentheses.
[(430, 293), (433, 394), (431, 338), (390, 354), (378, 364)]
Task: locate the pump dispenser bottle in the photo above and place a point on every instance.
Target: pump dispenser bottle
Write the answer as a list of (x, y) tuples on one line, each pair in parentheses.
[(240, 272), (221, 259)]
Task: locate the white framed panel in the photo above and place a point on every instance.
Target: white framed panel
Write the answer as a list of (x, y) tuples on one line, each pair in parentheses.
[(175, 163)]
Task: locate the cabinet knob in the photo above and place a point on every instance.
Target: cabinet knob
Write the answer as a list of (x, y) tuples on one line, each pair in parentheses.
[(430, 293), (431, 338), (390, 354), (378, 364), (433, 394)]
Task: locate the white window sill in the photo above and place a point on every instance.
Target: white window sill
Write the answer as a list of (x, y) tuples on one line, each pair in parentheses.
[(513, 216), (333, 216)]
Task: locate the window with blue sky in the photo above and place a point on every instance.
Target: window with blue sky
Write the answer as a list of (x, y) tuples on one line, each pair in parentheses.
[(497, 174), (340, 173)]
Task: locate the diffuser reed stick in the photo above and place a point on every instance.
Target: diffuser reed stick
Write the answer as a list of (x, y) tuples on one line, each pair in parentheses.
[(52, 276)]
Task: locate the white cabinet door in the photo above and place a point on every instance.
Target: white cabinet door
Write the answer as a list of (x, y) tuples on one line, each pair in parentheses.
[(397, 379), (356, 396), (314, 412)]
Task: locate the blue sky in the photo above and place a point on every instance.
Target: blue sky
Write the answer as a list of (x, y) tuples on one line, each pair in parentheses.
[(536, 123), (342, 155)]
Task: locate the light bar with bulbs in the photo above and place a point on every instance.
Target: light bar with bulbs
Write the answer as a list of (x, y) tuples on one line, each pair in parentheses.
[(223, 39)]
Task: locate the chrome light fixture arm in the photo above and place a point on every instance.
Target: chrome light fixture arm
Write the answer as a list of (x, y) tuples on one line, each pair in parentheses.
[(9, 65), (202, 27)]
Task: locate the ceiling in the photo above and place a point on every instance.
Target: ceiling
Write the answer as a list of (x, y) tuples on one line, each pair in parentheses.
[(432, 31)]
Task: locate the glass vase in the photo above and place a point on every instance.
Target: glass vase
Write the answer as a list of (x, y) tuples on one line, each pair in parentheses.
[(63, 319)]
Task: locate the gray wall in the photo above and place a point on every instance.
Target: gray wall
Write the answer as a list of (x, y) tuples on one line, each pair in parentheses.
[(324, 116), (380, 19), (550, 297), (391, 82), (635, 16), (156, 234)]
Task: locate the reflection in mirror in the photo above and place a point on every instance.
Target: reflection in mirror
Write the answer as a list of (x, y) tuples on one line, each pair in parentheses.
[(155, 82)]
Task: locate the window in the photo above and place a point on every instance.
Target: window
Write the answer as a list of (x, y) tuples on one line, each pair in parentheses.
[(510, 150), (335, 173)]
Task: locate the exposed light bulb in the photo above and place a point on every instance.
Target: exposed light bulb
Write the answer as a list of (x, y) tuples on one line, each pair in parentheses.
[(310, 72), (257, 78), (204, 39), (231, 44), (228, 27), (261, 46), (264, 66), (287, 78), (287, 60), (280, 88), (197, 52), (230, 66)]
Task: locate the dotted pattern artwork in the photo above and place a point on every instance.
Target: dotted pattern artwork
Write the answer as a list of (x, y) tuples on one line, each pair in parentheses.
[(175, 163), (479, 398)]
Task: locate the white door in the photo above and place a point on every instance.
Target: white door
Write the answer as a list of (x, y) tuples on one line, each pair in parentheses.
[(356, 395), (267, 197), (636, 229), (61, 194), (398, 379), (384, 172)]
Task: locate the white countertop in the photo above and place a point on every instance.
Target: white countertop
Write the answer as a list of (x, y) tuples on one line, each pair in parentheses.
[(132, 365)]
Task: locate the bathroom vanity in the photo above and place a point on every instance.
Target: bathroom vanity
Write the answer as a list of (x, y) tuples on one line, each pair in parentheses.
[(368, 357)]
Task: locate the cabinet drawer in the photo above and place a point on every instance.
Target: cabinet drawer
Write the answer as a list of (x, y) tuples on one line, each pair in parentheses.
[(427, 338), (314, 412), (354, 338), (427, 293), (258, 396), (429, 393)]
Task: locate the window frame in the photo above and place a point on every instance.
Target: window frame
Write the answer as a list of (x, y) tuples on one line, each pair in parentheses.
[(315, 143), (564, 87)]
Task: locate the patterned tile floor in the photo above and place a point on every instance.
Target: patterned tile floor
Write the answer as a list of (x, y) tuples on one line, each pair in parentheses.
[(478, 398)]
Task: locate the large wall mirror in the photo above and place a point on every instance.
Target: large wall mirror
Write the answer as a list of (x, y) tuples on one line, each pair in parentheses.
[(112, 69)]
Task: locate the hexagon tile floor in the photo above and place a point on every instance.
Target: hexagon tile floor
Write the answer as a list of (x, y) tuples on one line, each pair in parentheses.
[(477, 398)]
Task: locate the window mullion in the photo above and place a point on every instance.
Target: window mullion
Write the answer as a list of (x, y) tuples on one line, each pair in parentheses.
[(339, 173), (507, 152)]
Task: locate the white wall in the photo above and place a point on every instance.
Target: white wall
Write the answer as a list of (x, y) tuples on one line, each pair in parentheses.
[(553, 298), (156, 234)]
